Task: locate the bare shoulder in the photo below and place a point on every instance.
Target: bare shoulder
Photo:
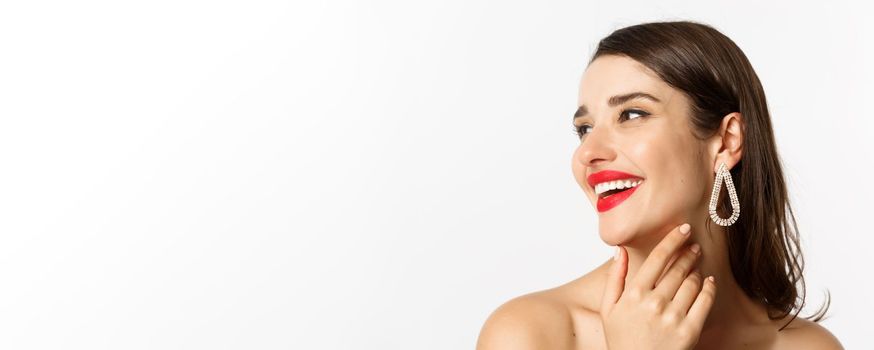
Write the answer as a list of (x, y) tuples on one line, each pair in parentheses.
[(555, 318), (532, 321), (802, 333)]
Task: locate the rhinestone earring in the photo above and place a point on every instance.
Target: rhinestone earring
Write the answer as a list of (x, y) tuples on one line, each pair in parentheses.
[(723, 174)]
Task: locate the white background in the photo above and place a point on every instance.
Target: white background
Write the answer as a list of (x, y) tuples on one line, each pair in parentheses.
[(360, 174)]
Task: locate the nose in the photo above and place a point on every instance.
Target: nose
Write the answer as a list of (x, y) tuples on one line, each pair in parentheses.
[(596, 149)]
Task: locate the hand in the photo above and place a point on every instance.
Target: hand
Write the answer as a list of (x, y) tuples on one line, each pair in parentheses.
[(653, 313)]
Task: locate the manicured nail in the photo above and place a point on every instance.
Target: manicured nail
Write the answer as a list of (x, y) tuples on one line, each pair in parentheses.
[(684, 229), (616, 256), (695, 248)]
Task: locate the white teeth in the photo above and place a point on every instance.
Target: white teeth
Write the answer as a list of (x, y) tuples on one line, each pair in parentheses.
[(617, 184)]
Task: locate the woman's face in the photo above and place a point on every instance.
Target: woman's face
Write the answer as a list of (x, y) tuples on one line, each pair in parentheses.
[(647, 141)]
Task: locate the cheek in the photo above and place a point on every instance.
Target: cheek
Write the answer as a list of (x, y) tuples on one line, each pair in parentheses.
[(673, 172), (578, 168), (574, 161)]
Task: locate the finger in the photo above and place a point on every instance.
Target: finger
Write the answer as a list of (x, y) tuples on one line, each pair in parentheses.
[(668, 267), (701, 307), (667, 287), (686, 294), (657, 260), (615, 280)]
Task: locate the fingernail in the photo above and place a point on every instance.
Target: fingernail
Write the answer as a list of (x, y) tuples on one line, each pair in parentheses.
[(695, 248), (684, 229), (711, 278), (616, 256)]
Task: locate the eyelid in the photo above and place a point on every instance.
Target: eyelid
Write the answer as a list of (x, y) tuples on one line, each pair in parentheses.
[(641, 112), (622, 118)]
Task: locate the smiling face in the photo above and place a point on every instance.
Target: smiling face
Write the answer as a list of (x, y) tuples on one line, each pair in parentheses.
[(650, 141)]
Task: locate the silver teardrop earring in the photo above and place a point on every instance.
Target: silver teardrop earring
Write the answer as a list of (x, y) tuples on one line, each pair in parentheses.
[(723, 174)]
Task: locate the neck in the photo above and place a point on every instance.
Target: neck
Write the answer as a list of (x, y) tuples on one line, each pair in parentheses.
[(732, 307)]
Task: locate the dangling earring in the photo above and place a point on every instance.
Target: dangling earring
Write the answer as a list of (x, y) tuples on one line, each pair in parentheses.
[(723, 174)]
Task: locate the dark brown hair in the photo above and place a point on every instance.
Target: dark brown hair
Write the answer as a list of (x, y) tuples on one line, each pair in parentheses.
[(713, 72)]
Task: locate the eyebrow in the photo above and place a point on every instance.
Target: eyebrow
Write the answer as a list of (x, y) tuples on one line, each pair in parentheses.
[(617, 100)]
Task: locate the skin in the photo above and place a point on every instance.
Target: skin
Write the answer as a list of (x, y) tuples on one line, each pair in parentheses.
[(612, 302)]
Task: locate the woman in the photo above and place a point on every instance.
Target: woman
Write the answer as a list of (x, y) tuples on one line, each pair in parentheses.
[(672, 121)]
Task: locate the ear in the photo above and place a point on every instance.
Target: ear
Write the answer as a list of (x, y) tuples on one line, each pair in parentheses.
[(727, 144)]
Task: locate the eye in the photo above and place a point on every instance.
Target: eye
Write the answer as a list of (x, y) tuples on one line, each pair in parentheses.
[(582, 130), (624, 115)]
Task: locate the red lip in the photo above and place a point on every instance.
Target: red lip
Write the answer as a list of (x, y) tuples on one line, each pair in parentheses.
[(609, 175), (605, 204)]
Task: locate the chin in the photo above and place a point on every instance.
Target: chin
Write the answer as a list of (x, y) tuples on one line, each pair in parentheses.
[(615, 233)]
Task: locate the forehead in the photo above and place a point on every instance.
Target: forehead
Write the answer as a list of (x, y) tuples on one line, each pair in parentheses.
[(612, 75)]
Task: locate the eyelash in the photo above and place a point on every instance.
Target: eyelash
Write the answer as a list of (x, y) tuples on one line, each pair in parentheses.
[(578, 130)]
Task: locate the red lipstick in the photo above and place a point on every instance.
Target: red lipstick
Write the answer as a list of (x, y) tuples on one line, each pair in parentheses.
[(609, 175), (609, 202)]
